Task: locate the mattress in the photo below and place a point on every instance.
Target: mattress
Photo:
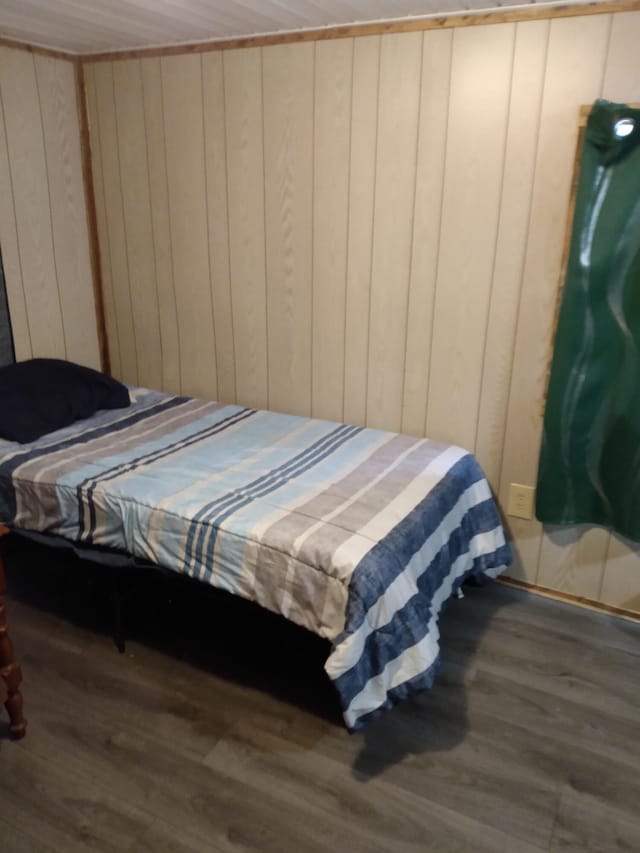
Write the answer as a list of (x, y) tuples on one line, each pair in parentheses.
[(357, 534)]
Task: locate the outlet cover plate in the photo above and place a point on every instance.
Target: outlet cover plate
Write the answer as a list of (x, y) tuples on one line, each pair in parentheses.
[(521, 501)]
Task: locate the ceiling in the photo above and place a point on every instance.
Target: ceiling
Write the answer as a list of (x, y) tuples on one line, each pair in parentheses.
[(90, 26)]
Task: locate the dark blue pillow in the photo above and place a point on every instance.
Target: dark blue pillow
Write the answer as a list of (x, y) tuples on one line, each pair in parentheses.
[(46, 394)]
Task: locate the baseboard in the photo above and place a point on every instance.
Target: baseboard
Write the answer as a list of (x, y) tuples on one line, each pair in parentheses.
[(570, 598)]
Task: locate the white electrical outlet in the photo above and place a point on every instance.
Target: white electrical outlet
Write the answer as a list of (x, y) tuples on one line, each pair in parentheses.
[(521, 500)]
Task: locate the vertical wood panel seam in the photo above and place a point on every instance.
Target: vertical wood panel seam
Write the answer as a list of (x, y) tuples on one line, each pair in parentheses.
[(373, 232), (173, 267), (226, 182), (605, 563), (206, 207), (496, 238), (522, 273), (106, 225), (606, 54), (539, 555), (524, 254), (436, 271), (153, 236), (124, 219), (93, 237), (347, 242), (313, 230), (15, 222), (264, 214), (46, 171), (413, 229)]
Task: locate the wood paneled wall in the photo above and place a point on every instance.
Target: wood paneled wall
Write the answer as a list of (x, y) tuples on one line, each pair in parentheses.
[(43, 225), (364, 229)]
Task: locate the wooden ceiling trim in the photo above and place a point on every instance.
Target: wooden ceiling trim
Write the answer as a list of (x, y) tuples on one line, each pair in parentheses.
[(467, 19), (470, 19), (39, 49)]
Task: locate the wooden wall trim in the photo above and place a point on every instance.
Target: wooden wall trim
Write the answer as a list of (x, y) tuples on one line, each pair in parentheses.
[(92, 219), (470, 19), (570, 598), (38, 49)]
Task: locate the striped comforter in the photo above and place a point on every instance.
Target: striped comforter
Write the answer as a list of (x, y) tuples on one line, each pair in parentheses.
[(356, 534)]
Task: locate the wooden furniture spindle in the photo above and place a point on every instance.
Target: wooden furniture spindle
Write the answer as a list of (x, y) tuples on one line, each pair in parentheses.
[(10, 673)]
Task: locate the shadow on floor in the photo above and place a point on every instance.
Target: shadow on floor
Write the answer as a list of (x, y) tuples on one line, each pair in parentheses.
[(241, 642), (435, 720)]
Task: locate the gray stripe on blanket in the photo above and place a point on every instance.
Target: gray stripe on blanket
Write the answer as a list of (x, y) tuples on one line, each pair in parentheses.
[(319, 547)]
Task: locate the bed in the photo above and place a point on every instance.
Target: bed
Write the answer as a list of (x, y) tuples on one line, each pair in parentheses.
[(356, 534)]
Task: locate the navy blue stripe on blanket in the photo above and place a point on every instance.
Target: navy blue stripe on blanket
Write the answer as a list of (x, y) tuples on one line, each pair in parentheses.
[(410, 624), (86, 489), (422, 681), (213, 514), (8, 467), (388, 558)]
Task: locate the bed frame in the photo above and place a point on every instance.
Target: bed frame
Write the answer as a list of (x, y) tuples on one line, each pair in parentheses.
[(10, 672)]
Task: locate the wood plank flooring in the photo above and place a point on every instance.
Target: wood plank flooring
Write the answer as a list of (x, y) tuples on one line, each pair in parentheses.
[(217, 730)]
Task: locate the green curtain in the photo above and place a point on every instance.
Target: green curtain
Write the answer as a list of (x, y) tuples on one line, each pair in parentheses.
[(590, 457)]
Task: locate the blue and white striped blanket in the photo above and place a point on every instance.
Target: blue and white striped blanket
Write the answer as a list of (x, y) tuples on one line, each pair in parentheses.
[(356, 534)]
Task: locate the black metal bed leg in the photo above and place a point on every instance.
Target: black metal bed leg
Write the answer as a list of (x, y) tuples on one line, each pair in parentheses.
[(118, 612)]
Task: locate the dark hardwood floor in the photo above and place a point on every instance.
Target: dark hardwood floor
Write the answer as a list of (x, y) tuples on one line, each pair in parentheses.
[(218, 731)]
